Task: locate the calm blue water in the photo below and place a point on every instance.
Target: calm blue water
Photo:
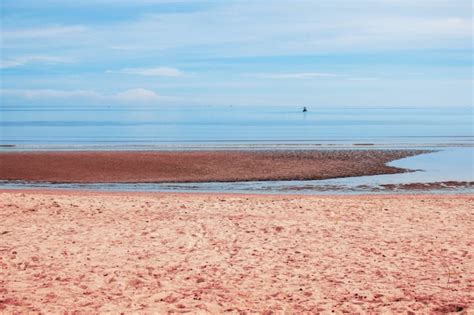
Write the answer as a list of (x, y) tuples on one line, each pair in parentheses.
[(57, 127), (448, 131)]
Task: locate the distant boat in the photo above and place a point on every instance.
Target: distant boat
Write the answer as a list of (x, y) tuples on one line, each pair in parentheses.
[(305, 109)]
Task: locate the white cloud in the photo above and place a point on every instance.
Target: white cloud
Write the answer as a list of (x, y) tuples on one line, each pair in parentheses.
[(363, 79), (141, 95), (300, 27), (127, 96), (312, 75), (160, 71), (42, 32), (420, 28), (285, 40), (23, 60), (243, 28), (32, 94), (300, 75)]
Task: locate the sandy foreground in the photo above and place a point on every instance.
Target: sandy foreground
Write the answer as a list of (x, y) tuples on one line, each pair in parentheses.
[(153, 253)]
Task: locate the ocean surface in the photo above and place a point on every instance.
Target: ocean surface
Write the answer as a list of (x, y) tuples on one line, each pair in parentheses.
[(448, 132), (184, 127)]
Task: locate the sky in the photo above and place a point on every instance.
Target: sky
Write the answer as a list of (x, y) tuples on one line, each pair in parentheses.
[(321, 53)]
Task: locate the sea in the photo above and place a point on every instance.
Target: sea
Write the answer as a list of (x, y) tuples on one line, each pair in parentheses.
[(448, 132)]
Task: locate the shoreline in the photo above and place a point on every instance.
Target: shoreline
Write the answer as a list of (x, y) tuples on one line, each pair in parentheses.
[(444, 188), (111, 252), (196, 166), (267, 145), (92, 193)]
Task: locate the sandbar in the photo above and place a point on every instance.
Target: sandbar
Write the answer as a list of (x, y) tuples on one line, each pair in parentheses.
[(195, 166)]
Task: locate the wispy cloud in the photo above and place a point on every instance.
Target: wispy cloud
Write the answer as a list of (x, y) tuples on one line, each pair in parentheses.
[(33, 94), (245, 51), (362, 79), (127, 96), (312, 75), (421, 28), (260, 28), (42, 32), (159, 71), (299, 75), (24, 60)]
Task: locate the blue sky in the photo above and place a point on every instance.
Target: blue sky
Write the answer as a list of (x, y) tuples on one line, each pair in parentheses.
[(331, 53)]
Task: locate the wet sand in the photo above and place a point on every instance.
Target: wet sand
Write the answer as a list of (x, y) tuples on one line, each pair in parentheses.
[(153, 253), (427, 186), (195, 166), (447, 186)]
